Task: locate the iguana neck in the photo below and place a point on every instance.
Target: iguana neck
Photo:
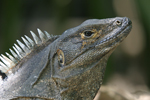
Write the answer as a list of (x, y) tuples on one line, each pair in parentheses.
[(88, 84)]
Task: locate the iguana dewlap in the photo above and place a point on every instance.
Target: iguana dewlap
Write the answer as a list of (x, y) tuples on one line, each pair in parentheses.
[(70, 66)]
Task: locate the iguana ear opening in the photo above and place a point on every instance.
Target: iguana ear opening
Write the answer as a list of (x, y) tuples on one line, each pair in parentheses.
[(61, 58)]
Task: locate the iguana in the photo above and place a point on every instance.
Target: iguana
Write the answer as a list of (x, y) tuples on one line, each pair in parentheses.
[(70, 66)]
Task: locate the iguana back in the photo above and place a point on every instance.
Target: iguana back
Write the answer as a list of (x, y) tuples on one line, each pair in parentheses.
[(70, 66)]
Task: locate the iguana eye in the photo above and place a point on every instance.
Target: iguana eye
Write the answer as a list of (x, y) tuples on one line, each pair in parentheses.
[(88, 33), (61, 58)]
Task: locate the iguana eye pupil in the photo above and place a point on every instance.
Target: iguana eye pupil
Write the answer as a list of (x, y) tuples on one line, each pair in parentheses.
[(88, 33)]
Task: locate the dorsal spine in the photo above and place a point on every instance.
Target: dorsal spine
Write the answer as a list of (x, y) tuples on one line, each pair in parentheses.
[(22, 50)]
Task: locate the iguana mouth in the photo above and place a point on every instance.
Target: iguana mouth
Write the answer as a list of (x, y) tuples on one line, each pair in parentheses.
[(117, 37)]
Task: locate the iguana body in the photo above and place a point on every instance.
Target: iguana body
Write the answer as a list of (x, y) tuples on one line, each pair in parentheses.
[(66, 67)]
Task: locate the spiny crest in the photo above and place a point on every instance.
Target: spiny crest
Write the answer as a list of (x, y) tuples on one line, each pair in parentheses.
[(21, 50)]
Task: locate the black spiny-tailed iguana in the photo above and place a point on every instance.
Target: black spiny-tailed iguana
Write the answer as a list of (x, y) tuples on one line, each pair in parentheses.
[(70, 66)]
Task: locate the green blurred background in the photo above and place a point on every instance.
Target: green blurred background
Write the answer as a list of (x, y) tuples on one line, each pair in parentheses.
[(131, 58)]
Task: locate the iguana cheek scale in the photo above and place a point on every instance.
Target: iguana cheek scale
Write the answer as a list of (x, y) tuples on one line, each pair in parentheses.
[(70, 66)]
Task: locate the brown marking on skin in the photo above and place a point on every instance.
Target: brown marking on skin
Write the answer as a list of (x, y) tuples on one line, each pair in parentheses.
[(98, 35), (95, 33), (83, 44), (82, 35)]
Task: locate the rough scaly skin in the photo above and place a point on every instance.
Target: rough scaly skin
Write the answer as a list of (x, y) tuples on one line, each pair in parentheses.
[(68, 67)]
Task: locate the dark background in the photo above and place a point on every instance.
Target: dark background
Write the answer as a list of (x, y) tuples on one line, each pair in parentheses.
[(131, 58)]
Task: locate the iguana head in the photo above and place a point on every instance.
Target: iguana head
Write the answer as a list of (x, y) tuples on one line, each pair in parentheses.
[(82, 53)]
